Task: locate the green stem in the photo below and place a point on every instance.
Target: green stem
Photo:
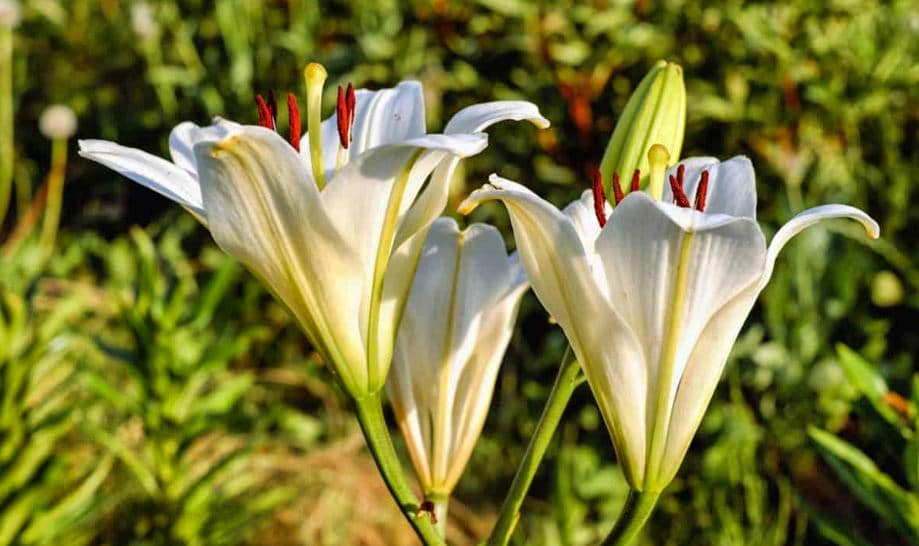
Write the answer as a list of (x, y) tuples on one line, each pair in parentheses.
[(441, 510), (565, 383), (634, 515), (55, 196), (370, 415), (6, 120)]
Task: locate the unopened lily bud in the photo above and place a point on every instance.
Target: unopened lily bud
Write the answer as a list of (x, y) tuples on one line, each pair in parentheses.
[(654, 114), (10, 13), (57, 122)]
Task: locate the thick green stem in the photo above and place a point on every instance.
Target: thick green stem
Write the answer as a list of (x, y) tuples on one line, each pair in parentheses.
[(7, 149), (565, 383), (370, 415), (634, 515)]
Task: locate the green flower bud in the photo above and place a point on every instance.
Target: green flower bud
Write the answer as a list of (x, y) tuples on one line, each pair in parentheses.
[(655, 114)]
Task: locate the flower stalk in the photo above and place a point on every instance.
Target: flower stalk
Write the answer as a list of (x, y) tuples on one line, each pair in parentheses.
[(369, 412), (635, 513), (567, 380), (7, 150)]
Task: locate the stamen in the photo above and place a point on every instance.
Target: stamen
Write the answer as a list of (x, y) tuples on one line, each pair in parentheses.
[(658, 157), (264, 113), (636, 180), (293, 121), (599, 199), (273, 109), (315, 76), (618, 196), (702, 192), (343, 117), (681, 174), (351, 97), (679, 196)]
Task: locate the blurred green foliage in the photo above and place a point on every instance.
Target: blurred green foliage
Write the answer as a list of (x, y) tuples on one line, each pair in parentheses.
[(154, 394)]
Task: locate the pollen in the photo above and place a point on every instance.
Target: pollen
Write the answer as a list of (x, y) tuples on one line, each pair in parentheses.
[(264, 113), (679, 196), (294, 128), (702, 191), (617, 189), (344, 111), (599, 199)]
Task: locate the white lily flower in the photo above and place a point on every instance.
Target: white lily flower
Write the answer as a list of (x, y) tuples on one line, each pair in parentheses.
[(653, 302), (338, 249), (456, 327)]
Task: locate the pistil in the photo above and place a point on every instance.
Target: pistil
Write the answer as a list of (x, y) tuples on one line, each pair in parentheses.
[(658, 157), (315, 76)]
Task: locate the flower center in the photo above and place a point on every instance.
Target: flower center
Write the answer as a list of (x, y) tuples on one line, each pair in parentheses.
[(677, 188), (268, 116)]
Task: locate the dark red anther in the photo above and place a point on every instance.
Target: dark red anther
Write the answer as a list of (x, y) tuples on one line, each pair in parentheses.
[(636, 179), (681, 175), (344, 114), (599, 199), (293, 121), (264, 113), (617, 189), (273, 109), (351, 98), (702, 191), (679, 196)]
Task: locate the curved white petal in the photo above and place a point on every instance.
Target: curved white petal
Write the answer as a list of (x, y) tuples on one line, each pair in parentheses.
[(387, 116), (478, 117), (807, 218), (264, 210), (361, 195), (146, 169), (584, 218), (669, 273), (456, 326), (731, 185), (181, 146), (559, 269), (701, 376)]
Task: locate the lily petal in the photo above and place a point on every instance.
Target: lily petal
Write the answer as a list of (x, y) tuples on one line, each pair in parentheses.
[(265, 210), (701, 376), (146, 169), (807, 218), (387, 116), (731, 185), (670, 270), (452, 339), (559, 269), (581, 212), (181, 146), (478, 117)]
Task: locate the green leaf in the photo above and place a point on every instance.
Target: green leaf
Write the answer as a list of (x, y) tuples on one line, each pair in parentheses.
[(871, 385), (872, 486)]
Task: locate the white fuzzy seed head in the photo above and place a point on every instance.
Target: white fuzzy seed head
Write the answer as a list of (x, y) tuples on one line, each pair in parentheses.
[(10, 13), (142, 20), (58, 122)]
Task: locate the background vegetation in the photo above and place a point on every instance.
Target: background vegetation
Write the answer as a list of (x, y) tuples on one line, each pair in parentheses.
[(151, 393)]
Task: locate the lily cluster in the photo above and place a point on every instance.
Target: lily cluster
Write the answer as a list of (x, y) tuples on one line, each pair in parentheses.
[(650, 289)]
